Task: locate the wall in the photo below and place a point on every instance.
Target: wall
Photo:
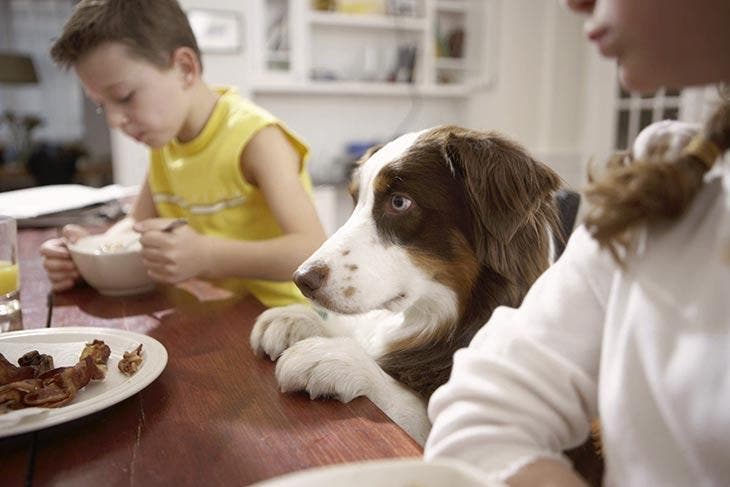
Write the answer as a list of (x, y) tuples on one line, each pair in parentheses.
[(230, 69), (537, 97), (27, 27), (328, 122)]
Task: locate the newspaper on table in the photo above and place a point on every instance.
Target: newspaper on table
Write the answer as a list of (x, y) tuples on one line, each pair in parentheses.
[(56, 205)]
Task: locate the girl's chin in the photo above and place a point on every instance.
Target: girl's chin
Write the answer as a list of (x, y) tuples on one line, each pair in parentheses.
[(635, 80)]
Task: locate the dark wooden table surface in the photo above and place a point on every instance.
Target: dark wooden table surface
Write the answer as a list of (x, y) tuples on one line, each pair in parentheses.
[(215, 415)]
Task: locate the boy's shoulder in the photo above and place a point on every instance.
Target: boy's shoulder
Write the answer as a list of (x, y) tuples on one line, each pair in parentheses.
[(237, 105), (234, 119), (245, 119)]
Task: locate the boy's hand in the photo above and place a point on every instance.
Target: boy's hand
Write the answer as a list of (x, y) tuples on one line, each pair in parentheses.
[(171, 256), (57, 261)]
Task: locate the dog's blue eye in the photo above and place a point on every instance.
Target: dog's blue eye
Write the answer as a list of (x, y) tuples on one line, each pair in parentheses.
[(400, 203)]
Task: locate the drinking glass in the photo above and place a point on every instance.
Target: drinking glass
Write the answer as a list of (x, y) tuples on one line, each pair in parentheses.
[(10, 315)]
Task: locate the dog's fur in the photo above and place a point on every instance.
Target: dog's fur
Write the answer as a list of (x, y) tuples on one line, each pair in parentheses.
[(449, 223)]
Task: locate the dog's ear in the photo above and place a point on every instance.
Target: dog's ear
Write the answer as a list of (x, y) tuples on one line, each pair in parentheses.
[(369, 153), (353, 188), (504, 186)]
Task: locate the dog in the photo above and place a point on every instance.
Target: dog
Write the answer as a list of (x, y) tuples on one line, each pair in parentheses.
[(448, 224)]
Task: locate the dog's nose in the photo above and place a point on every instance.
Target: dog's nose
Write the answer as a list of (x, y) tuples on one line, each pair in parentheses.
[(311, 278)]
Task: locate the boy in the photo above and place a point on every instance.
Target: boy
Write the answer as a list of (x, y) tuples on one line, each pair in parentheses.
[(232, 170)]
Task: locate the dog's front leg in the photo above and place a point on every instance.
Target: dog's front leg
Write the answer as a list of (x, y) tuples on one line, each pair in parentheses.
[(340, 368), (277, 329), (404, 406)]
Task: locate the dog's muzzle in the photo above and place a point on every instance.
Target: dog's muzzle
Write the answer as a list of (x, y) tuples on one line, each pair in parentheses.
[(311, 278)]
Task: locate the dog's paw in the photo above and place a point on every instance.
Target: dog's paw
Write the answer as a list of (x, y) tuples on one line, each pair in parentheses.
[(328, 367), (277, 329)]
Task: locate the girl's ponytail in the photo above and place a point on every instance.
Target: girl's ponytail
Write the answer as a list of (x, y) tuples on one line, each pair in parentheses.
[(647, 191)]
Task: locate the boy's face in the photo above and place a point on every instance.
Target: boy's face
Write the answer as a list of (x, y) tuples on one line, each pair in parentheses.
[(146, 103)]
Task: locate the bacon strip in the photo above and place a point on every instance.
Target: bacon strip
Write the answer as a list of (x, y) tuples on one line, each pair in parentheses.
[(57, 387), (40, 362), (11, 395), (11, 373), (32, 364)]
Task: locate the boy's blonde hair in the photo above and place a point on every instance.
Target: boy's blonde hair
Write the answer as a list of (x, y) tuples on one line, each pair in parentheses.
[(634, 193), (150, 29)]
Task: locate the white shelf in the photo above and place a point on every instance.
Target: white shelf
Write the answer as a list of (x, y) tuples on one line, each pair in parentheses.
[(277, 55), (452, 6), (390, 22), (347, 44), (450, 63), (362, 89)]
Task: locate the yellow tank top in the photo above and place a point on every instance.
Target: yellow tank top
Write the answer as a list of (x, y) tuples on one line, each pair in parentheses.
[(201, 180)]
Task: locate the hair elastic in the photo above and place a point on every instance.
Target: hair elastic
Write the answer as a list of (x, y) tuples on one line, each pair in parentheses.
[(703, 149)]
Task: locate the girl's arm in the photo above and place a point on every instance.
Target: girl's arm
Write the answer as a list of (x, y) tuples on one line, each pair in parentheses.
[(270, 162), (526, 387)]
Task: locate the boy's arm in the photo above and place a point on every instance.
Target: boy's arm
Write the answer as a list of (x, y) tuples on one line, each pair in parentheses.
[(142, 209), (56, 259), (270, 162)]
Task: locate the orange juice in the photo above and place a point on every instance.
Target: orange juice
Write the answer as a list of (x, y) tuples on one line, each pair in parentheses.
[(9, 280)]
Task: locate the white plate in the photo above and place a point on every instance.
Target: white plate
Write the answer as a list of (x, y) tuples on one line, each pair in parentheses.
[(387, 473), (65, 345)]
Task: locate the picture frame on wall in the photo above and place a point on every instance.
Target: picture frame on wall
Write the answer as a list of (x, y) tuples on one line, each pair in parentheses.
[(217, 31)]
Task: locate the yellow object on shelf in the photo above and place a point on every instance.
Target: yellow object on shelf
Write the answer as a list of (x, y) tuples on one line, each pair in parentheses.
[(361, 6), (323, 4), (9, 279)]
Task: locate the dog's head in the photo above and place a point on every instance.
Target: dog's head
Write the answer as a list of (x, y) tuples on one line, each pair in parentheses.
[(433, 209)]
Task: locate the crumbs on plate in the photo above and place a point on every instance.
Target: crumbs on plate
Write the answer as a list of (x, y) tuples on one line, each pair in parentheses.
[(130, 362)]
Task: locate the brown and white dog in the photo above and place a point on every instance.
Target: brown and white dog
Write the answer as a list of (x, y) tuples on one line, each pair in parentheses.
[(449, 223)]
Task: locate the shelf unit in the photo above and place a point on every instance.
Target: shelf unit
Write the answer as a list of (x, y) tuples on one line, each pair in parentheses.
[(454, 6), (372, 21), (437, 50)]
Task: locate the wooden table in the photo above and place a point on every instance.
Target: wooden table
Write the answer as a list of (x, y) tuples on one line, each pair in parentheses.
[(214, 417)]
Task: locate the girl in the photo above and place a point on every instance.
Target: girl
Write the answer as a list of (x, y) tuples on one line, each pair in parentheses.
[(632, 324)]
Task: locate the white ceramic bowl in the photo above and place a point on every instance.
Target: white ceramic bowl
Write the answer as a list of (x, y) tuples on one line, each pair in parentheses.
[(387, 473), (109, 266)]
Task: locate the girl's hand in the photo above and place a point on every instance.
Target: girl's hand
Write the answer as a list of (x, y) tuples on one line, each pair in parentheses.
[(547, 473), (57, 261), (663, 141), (171, 256)]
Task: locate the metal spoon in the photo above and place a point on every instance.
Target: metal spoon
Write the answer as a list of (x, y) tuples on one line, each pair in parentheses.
[(178, 222)]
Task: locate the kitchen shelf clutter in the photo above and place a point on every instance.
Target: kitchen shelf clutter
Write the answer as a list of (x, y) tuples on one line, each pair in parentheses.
[(433, 48)]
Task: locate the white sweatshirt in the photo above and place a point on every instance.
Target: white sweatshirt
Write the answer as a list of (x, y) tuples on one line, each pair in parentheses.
[(646, 349)]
